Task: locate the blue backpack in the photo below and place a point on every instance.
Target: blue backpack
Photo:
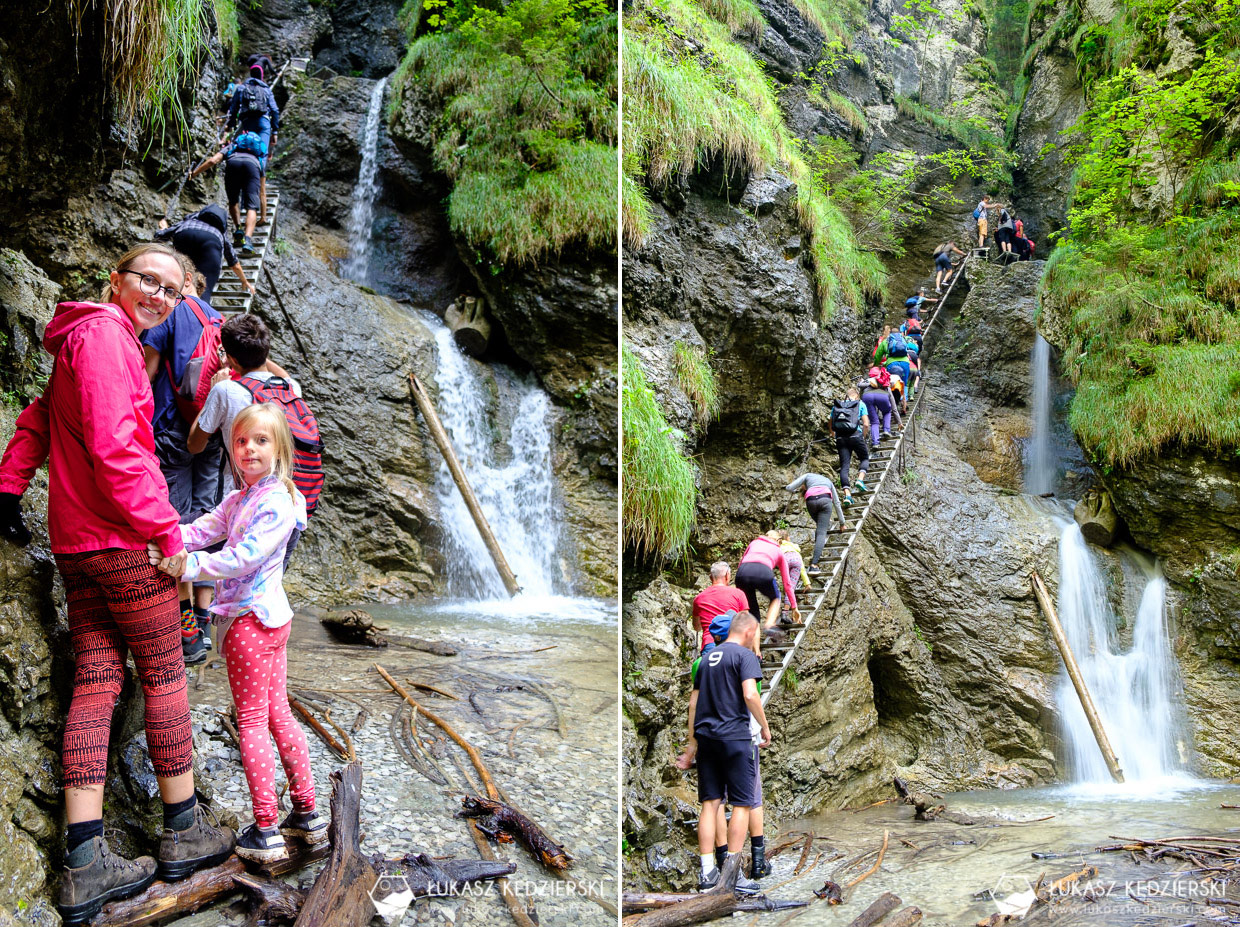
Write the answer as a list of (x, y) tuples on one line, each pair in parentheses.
[(250, 143), (896, 346), (977, 213), (911, 302)]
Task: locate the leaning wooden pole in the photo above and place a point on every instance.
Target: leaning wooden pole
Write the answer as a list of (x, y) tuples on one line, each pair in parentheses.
[(1074, 673), (427, 408)]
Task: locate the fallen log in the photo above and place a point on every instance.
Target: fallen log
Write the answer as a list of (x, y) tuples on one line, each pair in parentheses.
[(523, 915), (340, 896), (274, 899), (164, 900), (718, 902), (354, 627), (508, 819), (928, 807), (429, 877), (439, 648), (635, 902), (880, 908), (905, 918)]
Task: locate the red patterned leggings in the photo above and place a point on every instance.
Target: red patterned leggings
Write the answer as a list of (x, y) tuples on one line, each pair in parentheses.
[(119, 603), (258, 676)]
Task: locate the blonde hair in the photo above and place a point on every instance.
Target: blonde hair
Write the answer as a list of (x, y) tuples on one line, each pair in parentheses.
[(269, 414), (130, 257)]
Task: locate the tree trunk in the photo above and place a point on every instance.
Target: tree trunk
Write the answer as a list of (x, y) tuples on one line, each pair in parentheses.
[(340, 896)]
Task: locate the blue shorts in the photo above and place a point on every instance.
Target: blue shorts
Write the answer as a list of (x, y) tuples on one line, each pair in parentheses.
[(728, 769)]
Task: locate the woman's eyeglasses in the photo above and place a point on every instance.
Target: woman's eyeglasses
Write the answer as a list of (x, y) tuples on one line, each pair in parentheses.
[(151, 287)]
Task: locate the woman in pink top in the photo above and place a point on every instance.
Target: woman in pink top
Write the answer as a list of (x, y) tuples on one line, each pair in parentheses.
[(106, 500), (756, 573)]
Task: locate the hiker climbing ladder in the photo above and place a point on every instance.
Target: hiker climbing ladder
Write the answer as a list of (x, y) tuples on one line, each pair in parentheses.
[(778, 658), (230, 296)]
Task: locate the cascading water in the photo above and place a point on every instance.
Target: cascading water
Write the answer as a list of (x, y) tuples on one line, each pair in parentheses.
[(1041, 470), (1133, 689), (517, 496), (357, 265)]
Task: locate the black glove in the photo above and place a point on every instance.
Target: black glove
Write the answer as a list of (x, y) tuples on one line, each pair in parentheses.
[(11, 525)]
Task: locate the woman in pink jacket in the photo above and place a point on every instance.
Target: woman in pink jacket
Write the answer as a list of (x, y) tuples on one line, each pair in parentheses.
[(106, 499), (756, 573)]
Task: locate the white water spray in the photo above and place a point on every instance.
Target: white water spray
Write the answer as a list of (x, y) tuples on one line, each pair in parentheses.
[(1133, 689), (517, 495), (357, 266), (1041, 471)]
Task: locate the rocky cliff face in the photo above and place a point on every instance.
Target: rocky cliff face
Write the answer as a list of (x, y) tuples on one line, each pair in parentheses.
[(934, 664)]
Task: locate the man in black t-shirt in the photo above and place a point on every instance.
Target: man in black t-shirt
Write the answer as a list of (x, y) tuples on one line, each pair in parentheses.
[(725, 694)]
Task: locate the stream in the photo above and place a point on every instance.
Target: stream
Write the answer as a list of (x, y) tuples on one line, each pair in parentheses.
[(951, 869)]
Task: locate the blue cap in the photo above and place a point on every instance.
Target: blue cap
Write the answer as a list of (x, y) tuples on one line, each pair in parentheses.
[(721, 625)]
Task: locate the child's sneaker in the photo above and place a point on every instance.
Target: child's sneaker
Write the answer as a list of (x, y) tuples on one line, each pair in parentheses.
[(261, 844), (309, 826), (860, 486)]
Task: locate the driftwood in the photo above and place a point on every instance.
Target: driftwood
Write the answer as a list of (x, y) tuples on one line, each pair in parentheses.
[(718, 902), (928, 807), (439, 648), (165, 900), (809, 842), (354, 627), (882, 851), (471, 329), (322, 732), (906, 918), (429, 877), (508, 819), (635, 902), (831, 892), (340, 896), (882, 906), (275, 900), (523, 915)]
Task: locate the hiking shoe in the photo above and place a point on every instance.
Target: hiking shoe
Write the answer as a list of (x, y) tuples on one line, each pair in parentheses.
[(238, 238), (746, 886), (886, 434), (204, 843), (83, 891), (860, 487), (846, 502), (708, 881), (758, 866), (247, 248), (261, 844), (813, 570), (194, 649), (309, 826)]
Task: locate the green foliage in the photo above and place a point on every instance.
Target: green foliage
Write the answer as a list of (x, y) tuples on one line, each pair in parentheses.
[(150, 50), (972, 132), (282, 247), (898, 190), (1005, 40), (230, 27), (529, 128), (843, 107), (695, 377), (693, 95), (835, 20), (791, 679), (660, 482)]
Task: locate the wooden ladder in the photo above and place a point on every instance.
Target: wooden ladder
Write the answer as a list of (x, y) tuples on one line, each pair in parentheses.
[(777, 659), (230, 296)]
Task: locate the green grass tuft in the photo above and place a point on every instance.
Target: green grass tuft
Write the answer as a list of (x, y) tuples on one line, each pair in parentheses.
[(843, 107), (695, 377), (693, 95), (659, 481), (229, 24), (529, 127)]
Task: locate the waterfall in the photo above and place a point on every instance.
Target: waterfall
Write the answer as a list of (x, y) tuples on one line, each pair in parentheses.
[(357, 266), (1132, 689), (1041, 471), (517, 495)]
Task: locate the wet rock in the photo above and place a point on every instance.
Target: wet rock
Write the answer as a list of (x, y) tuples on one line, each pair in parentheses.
[(284, 28), (366, 39)]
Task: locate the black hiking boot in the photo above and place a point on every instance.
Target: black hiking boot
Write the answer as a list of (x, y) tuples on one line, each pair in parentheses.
[(84, 890), (759, 867), (204, 843), (309, 826), (261, 844)]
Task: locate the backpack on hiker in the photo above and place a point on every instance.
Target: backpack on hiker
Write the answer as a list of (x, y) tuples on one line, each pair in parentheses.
[(250, 143), (846, 417), (896, 346), (880, 376), (253, 100), (307, 445), (977, 212), (204, 361), (911, 302)]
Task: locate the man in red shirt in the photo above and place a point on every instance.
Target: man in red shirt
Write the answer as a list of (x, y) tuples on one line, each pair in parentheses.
[(717, 598)]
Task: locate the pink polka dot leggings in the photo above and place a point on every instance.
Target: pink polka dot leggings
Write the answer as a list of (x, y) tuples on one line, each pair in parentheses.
[(258, 675)]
